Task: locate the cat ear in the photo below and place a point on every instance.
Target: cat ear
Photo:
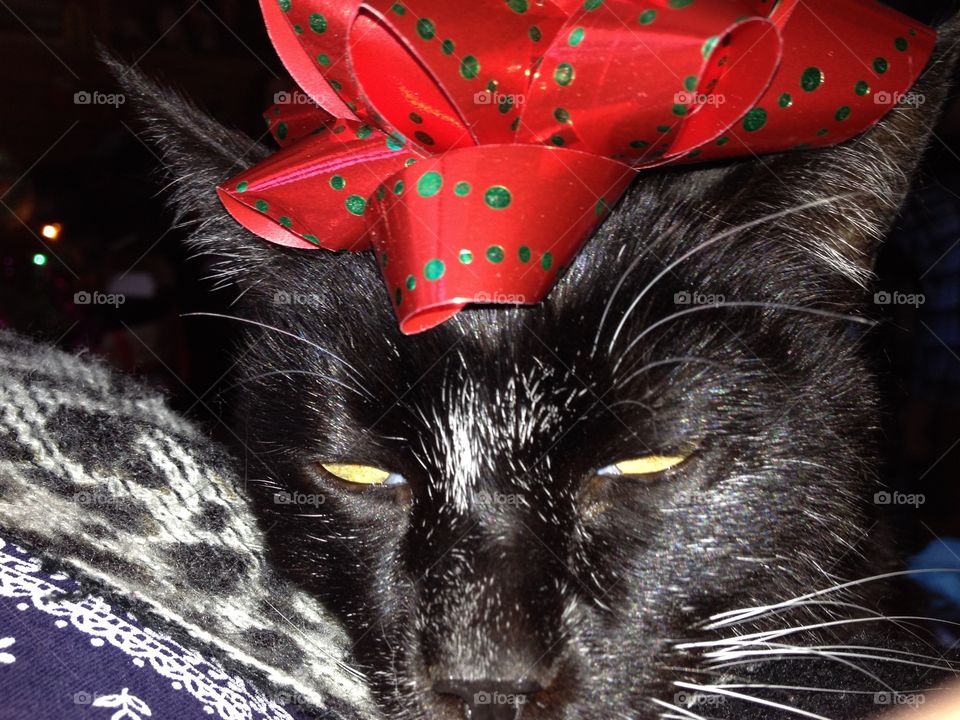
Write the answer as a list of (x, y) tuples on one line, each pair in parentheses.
[(198, 153), (853, 190)]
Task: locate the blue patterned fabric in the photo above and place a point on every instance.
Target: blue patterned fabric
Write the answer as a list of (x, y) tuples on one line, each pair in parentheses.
[(65, 654)]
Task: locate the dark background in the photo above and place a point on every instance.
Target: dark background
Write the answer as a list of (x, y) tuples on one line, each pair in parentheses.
[(84, 167)]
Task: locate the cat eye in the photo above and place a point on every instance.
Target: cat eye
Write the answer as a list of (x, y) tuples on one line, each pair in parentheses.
[(646, 465), (364, 475)]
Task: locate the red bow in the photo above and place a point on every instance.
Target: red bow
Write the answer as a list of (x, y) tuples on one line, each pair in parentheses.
[(477, 145)]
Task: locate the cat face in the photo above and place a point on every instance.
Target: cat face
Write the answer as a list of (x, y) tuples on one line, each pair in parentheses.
[(570, 500)]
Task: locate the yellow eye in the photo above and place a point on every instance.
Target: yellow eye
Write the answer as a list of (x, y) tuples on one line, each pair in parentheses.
[(363, 474), (647, 465)]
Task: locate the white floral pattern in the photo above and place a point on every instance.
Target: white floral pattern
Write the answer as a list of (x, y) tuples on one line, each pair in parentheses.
[(220, 693), (5, 657)]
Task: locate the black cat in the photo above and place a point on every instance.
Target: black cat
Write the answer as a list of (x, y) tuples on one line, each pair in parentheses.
[(621, 503)]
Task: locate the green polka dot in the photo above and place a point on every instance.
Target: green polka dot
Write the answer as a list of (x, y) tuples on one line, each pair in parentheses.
[(497, 197), (518, 6), (323, 59), (492, 85), (429, 184), (901, 44), (690, 83), (282, 131), (535, 34), (312, 238), (647, 17), (395, 143), (785, 101), (416, 118), (397, 295), (811, 79), (843, 112), (546, 262), (495, 254), (409, 161), (822, 132), (506, 105), (411, 282), (423, 137), (426, 29), (755, 119), (680, 110), (384, 259), (639, 144), (709, 45), (515, 124), (558, 141), (285, 5), (592, 4), (862, 88), (447, 47), (364, 131), (462, 189), (664, 128), (356, 205), (524, 253), (561, 115), (721, 141), (576, 36), (398, 188), (337, 182), (399, 9), (242, 186), (318, 23), (381, 192), (469, 68), (285, 221), (880, 65), (563, 75), (335, 84), (465, 257), (298, 29), (680, 4), (600, 208), (433, 270), (262, 205)]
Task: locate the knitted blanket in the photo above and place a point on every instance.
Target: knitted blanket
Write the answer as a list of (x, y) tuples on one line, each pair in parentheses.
[(144, 523)]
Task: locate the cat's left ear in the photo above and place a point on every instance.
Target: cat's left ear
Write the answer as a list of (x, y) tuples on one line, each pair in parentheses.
[(198, 153), (859, 185)]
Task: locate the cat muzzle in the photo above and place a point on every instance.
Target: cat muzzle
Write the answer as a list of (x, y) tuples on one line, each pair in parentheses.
[(490, 699)]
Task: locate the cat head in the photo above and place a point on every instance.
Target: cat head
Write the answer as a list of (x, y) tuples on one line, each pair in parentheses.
[(545, 505)]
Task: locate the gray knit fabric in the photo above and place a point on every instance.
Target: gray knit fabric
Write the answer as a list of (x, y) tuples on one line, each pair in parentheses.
[(99, 477)]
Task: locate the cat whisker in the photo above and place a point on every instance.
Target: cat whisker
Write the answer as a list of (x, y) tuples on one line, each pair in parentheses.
[(739, 304), (323, 350), (666, 361), (699, 248), (673, 708), (309, 373)]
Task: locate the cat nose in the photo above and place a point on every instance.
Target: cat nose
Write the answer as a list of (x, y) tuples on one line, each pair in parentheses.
[(490, 699)]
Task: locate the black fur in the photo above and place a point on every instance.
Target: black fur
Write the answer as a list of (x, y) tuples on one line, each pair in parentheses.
[(506, 558)]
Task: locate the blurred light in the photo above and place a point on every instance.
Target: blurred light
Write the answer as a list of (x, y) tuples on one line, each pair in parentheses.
[(51, 231), (40, 259)]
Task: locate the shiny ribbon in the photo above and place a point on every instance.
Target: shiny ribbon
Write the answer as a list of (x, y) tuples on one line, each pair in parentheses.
[(475, 146)]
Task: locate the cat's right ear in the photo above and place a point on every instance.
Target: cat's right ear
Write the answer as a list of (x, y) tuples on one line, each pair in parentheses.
[(198, 154)]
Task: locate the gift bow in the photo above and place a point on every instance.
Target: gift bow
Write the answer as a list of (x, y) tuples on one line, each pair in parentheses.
[(475, 146)]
